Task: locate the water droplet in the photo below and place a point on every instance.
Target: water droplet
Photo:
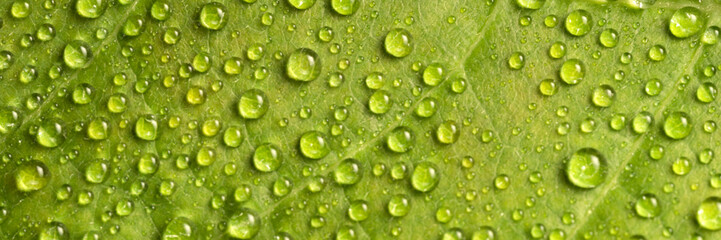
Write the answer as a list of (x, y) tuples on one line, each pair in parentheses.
[(603, 96), (677, 125), (705, 156), (148, 164), (77, 54), (314, 145), (516, 61), (502, 182), (213, 16), (398, 43), (124, 207), (267, 158), (160, 10), (45, 32), (530, 4), (146, 128), (400, 140), (686, 22), (20, 9), (425, 177), (448, 132), (548, 87), (8, 120), (201, 62), (180, 228), (657, 53), (243, 225), (380, 102), (706, 92), (427, 107), (608, 38), (301, 4), (484, 233), (586, 168), (31, 176), (83, 94), (54, 231), (348, 172), (399, 205), (253, 104), (578, 22), (206, 156), (642, 122), (6, 59), (434, 74), (550, 21), (681, 166), (133, 26), (358, 210), (653, 87), (345, 7), (91, 8), (303, 65), (711, 35), (647, 206), (708, 214), (50, 134), (572, 71)]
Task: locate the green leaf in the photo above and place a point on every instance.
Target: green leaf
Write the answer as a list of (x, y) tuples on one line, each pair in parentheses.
[(349, 119)]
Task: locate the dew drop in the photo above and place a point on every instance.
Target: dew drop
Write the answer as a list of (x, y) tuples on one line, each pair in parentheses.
[(677, 125), (578, 22), (425, 177), (303, 65), (586, 168), (267, 158), (686, 22), (31, 176), (314, 145), (253, 104), (213, 16), (398, 43)]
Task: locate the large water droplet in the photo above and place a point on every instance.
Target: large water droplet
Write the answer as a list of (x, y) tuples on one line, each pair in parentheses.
[(425, 177), (708, 214), (578, 22), (303, 65), (146, 128), (345, 7), (267, 158), (686, 22), (253, 104), (400, 140), (677, 125), (399, 205), (448, 132), (243, 225), (50, 133), (572, 71), (399, 42), (586, 168), (77, 54), (647, 206), (349, 172), (32, 176), (314, 145), (530, 4), (96, 171), (91, 8), (180, 228), (213, 16), (434, 74)]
